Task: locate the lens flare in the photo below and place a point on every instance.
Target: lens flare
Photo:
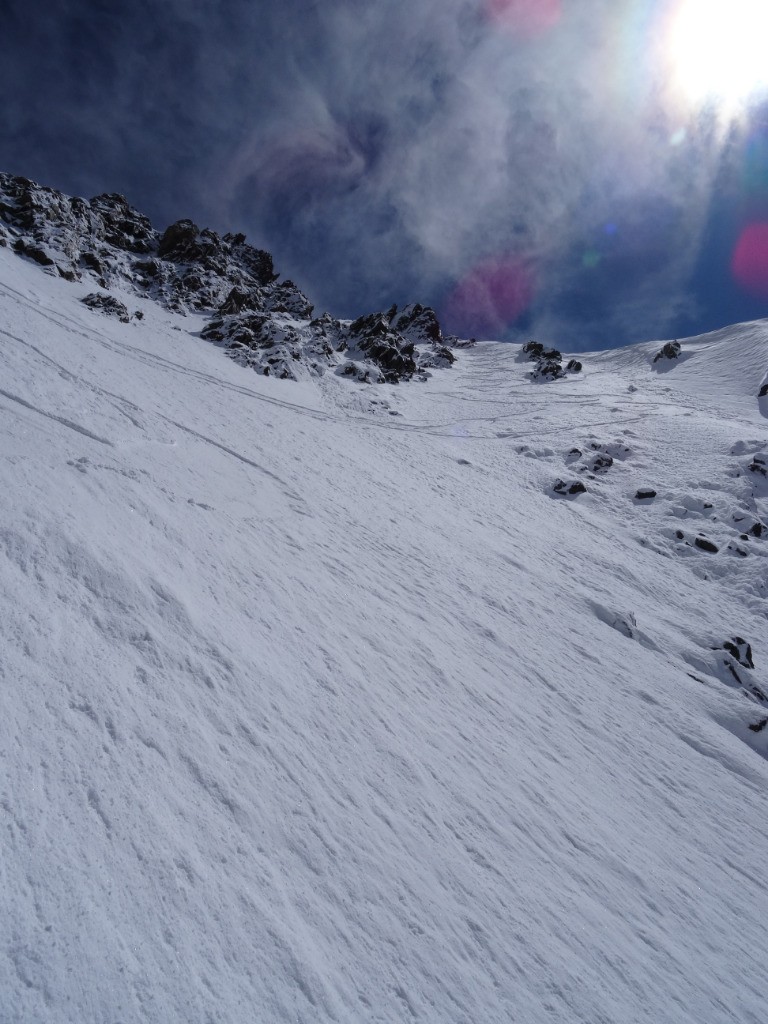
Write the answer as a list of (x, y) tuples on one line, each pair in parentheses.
[(750, 260), (491, 297), (718, 49), (526, 18)]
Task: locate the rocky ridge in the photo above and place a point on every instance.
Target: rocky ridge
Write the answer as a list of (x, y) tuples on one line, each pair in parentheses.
[(260, 321)]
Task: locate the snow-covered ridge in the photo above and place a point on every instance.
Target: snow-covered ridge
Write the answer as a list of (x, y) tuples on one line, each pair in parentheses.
[(260, 321), (328, 704)]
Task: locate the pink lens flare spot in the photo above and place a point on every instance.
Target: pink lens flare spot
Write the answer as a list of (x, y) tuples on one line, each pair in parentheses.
[(750, 260), (491, 297), (525, 18)]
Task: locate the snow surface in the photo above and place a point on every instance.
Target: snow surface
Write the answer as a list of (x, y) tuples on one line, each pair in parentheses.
[(318, 705)]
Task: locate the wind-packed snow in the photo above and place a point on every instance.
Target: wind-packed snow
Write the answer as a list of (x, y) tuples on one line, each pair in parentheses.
[(319, 705)]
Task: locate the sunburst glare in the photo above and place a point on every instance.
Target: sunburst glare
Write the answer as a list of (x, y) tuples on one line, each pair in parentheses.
[(717, 48)]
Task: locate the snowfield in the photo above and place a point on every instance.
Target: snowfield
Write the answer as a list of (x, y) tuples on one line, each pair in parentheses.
[(319, 705)]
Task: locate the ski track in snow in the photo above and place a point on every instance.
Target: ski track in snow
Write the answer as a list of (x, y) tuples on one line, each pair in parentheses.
[(315, 713)]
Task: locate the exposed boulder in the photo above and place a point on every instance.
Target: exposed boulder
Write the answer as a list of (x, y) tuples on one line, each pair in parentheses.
[(703, 544), (740, 651), (108, 305), (737, 663), (671, 350), (569, 487), (599, 463), (597, 457), (549, 362)]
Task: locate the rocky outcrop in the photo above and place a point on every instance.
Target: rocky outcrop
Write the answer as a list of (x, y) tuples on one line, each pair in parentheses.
[(374, 338), (549, 362), (417, 323), (108, 305), (260, 321), (669, 351), (568, 488)]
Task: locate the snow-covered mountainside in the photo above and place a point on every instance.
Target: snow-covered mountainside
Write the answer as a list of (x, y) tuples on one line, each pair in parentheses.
[(439, 702), (261, 322)]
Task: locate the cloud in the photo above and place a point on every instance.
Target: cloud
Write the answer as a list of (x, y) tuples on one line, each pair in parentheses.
[(430, 142), (391, 151)]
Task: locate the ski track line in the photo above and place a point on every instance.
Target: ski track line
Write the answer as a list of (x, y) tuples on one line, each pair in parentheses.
[(100, 391), (89, 385), (241, 458), (73, 326), (57, 419)]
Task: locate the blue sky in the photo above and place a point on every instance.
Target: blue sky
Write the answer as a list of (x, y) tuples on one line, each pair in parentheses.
[(529, 167)]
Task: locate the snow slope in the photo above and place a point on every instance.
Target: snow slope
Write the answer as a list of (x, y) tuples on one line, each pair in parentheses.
[(319, 705)]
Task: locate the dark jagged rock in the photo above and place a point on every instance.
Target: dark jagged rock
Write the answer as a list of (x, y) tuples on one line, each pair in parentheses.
[(739, 659), (239, 299), (600, 463), (533, 349), (269, 345), (763, 391), (759, 726), (569, 487), (549, 362), (262, 322), (645, 493), (108, 305), (179, 242), (417, 323), (285, 297), (706, 545), (439, 356), (758, 465), (616, 449), (122, 226), (34, 251), (669, 351), (374, 336), (547, 370), (740, 650)]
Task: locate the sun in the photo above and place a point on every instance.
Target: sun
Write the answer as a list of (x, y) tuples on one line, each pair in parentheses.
[(718, 49)]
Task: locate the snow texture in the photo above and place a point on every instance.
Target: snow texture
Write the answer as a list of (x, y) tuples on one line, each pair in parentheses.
[(319, 704)]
